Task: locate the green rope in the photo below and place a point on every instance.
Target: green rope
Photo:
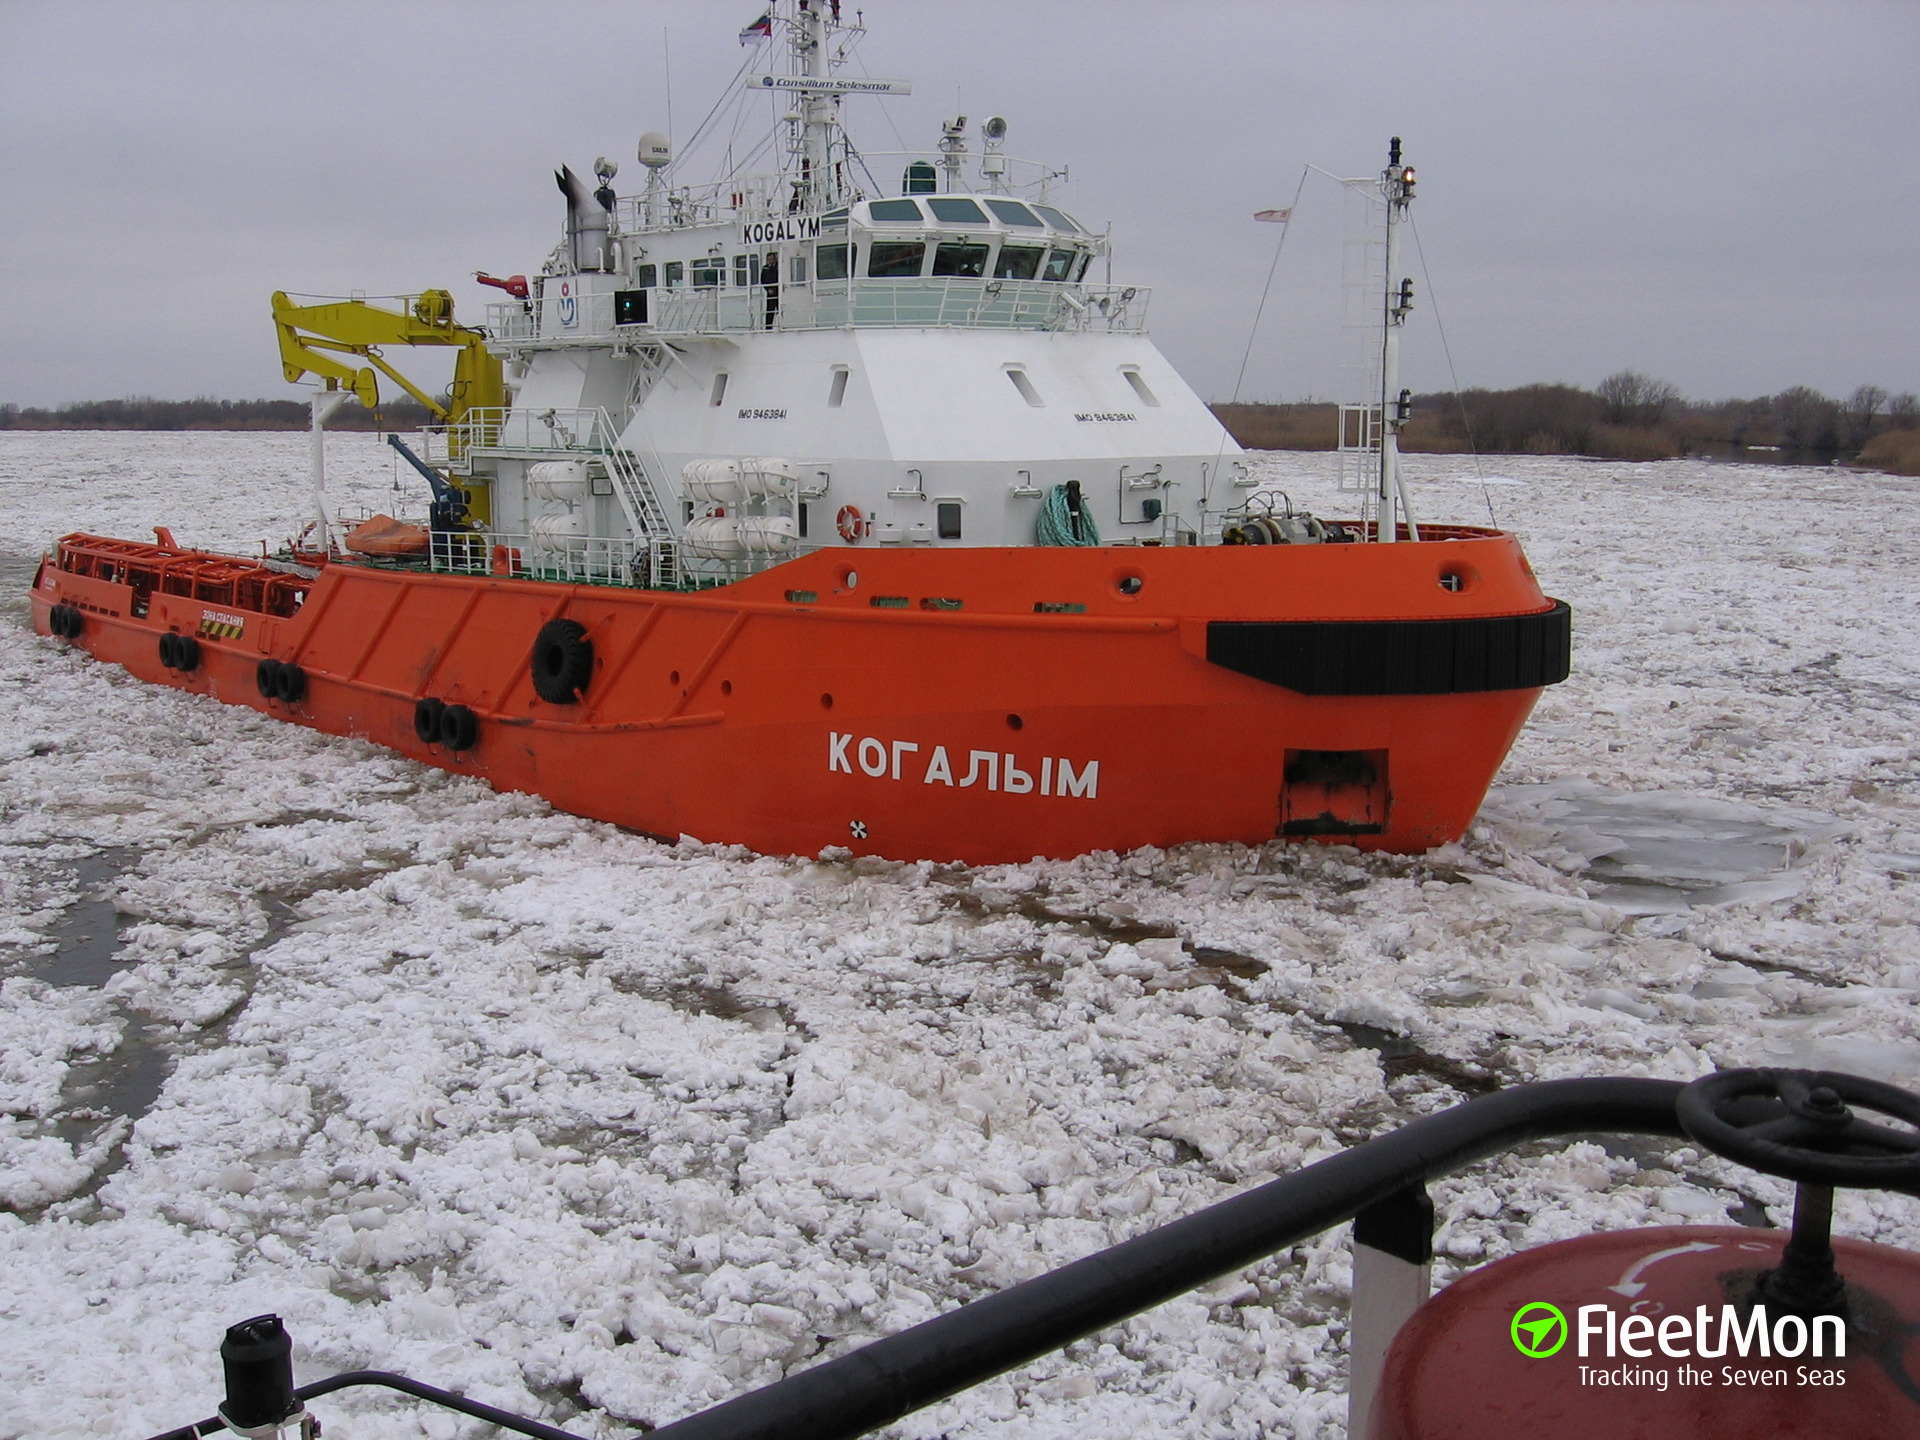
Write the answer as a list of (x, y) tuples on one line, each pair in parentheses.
[(1058, 525)]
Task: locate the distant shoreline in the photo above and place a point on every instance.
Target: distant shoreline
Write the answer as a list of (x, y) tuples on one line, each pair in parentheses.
[(1629, 417)]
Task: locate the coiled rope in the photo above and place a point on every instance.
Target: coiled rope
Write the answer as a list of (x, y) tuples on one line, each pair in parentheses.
[(1065, 518)]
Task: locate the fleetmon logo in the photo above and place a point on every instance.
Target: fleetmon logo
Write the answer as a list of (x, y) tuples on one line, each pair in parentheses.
[(1539, 1330)]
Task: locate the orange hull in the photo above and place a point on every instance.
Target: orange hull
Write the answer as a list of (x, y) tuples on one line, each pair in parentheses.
[(977, 705)]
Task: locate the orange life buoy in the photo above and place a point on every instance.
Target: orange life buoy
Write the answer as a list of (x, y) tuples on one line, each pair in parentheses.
[(850, 524)]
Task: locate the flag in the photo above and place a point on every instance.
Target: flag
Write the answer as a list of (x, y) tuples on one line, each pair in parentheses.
[(758, 30), (1278, 217)]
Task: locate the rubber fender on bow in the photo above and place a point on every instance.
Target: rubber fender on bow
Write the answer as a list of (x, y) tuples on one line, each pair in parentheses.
[(459, 727), (426, 719), (266, 676), (290, 683), (562, 661)]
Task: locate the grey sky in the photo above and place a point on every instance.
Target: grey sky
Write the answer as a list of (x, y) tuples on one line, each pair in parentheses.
[(1724, 195)]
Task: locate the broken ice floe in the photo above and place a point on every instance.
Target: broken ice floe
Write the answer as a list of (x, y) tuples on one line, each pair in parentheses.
[(1654, 852)]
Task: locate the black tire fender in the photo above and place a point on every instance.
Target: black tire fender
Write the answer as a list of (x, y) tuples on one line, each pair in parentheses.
[(186, 653), (562, 661), (266, 676), (290, 683), (426, 719), (459, 727), (169, 655)]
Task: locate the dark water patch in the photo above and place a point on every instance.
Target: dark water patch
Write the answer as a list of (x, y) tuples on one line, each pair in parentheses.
[(87, 935), (16, 584), (102, 1090), (705, 997), (1749, 1212), (1231, 962), (1400, 1059), (120, 1087), (1122, 930)]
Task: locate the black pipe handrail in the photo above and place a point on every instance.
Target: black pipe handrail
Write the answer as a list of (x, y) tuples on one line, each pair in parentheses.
[(878, 1383)]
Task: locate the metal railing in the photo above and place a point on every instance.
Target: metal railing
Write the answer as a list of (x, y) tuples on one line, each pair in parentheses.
[(744, 197), (576, 560), (829, 305)]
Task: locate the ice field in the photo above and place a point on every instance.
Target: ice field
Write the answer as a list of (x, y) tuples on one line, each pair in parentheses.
[(606, 1130)]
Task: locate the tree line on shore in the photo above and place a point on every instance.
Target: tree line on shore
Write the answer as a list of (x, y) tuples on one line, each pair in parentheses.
[(1628, 416)]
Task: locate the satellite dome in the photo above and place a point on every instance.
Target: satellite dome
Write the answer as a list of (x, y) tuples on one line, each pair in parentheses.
[(655, 150)]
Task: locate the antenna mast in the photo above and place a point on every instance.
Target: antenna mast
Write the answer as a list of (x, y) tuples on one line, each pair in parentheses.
[(1396, 405), (819, 183)]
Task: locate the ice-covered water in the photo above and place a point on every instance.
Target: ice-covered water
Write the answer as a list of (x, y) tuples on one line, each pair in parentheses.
[(606, 1130)]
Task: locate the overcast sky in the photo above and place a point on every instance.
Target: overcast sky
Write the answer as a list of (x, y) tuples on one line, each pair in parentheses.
[(1723, 195)]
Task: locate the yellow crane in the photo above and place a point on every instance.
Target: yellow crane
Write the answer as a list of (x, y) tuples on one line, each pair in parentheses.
[(311, 335)]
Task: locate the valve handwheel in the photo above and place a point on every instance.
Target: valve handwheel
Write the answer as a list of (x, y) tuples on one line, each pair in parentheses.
[(1801, 1125)]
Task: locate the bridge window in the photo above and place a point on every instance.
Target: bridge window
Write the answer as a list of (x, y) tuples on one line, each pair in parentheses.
[(831, 261), (707, 272), (644, 276), (676, 271), (834, 219), (1060, 264), (1014, 213), (1017, 262), (894, 211), (896, 257), (965, 261), (1057, 219), (956, 210)]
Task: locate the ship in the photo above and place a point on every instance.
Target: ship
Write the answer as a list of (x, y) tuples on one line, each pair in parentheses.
[(817, 513)]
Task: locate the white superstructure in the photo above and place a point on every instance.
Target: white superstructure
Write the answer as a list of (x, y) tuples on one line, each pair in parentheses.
[(819, 358)]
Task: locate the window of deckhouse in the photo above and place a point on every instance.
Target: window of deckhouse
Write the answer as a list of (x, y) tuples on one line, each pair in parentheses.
[(1012, 212), (1060, 264), (1057, 219), (707, 272), (742, 271), (894, 211), (956, 210), (830, 262), (675, 271), (1017, 262), (953, 257), (896, 257), (646, 276)]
